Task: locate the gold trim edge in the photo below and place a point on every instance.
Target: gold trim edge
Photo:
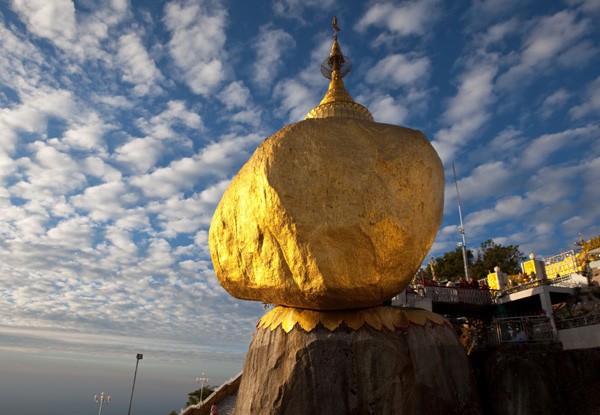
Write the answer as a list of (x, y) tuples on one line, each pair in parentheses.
[(379, 317)]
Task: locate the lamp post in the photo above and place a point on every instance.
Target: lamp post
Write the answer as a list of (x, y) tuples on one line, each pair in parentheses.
[(461, 228), (138, 357), (201, 380), (102, 398)]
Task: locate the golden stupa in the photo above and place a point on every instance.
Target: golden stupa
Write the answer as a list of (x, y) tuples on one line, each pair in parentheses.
[(333, 212)]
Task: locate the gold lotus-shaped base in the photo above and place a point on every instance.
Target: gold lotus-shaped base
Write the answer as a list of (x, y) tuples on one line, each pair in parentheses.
[(391, 318)]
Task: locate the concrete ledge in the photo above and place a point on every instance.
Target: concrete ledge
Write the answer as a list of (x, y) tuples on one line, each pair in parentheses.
[(585, 337)]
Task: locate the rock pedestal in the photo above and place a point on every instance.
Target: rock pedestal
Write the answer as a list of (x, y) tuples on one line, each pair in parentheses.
[(398, 361)]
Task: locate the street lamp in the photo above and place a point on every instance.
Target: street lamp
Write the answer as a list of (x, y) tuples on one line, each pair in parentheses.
[(102, 398), (201, 380), (461, 228), (138, 357)]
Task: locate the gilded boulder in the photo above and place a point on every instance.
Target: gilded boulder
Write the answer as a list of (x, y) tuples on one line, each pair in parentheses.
[(329, 214)]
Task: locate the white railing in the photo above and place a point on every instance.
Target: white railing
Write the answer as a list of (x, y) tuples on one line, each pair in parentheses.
[(456, 295)]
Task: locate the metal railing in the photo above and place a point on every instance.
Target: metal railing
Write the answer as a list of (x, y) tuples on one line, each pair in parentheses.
[(530, 329), (564, 281), (512, 330), (525, 286), (456, 295)]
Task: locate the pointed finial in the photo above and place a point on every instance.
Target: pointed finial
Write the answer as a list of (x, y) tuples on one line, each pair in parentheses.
[(335, 27), (337, 101)]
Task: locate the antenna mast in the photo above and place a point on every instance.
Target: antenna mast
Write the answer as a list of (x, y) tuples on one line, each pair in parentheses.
[(461, 228)]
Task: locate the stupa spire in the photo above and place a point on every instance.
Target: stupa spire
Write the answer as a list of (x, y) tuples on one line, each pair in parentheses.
[(337, 101)]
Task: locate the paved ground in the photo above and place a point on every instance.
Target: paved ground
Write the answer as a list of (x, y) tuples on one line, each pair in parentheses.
[(227, 405)]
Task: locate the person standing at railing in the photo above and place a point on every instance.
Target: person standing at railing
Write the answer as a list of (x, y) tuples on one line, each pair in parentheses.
[(473, 284), (463, 283)]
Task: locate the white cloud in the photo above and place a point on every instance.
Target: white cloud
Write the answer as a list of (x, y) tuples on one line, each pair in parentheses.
[(161, 126), (178, 215), (251, 117), (542, 147), (19, 59), (386, 109), (197, 43), (32, 114), (73, 234), (399, 70), (216, 160), (294, 9), (504, 145), (475, 93), (296, 99), (485, 181), (409, 18), (508, 208), (95, 166), (586, 6), (496, 33), (235, 95), (554, 102), (270, 47), (54, 20), (140, 154), (105, 201), (87, 135), (50, 173), (467, 111), (486, 9), (137, 65), (592, 103), (550, 37)]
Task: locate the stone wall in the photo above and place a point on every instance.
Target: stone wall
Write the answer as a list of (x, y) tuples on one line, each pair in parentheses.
[(538, 379)]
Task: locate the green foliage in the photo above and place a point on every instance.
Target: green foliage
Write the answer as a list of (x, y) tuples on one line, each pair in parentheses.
[(492, 255), (173, 412), (194, 397), (451, 265)]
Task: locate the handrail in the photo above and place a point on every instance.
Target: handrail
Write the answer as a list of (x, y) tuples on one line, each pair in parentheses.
[(223, 391)]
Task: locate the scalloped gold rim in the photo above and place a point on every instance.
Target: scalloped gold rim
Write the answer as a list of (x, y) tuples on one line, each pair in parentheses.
[(345, 110), (379, 317)]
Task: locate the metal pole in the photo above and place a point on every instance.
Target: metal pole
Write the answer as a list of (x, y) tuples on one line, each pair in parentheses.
[(101, 399), (138, 357), (201, 381), (461, 227)]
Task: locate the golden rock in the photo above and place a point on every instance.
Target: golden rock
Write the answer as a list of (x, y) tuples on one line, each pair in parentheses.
[(329, 214)]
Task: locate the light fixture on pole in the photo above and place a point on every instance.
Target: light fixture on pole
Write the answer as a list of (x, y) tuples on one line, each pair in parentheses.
[(102, 398), (461, 228), (138, 357), (201, 380)]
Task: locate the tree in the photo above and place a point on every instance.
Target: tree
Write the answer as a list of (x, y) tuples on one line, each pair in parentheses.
[(491, 255), (451, 265)]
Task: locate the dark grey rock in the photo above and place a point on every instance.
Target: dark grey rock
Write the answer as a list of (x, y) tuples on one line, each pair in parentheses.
[(419, 370)]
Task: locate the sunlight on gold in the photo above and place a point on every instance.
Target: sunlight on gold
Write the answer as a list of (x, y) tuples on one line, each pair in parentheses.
[(379, 317)]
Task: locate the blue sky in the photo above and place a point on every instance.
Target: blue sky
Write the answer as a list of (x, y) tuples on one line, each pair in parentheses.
[(123, 122)]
